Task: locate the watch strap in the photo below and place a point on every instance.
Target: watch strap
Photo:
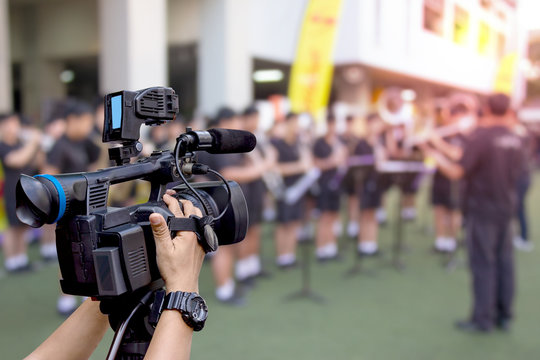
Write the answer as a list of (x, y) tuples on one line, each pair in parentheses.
[(181, 301)]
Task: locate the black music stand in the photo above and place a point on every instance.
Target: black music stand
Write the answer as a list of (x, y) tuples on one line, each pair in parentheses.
[(306, 292), (400, 168)]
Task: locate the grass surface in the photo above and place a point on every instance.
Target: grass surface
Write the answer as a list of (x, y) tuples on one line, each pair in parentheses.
[(385, 314)]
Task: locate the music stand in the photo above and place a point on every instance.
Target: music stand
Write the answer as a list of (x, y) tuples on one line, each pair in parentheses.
[(306, 292), (400, 168)]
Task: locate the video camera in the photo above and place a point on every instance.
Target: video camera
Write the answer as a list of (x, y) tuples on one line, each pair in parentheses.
[(109, 252)]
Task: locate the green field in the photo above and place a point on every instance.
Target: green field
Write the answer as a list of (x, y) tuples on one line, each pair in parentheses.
[(385, 314)]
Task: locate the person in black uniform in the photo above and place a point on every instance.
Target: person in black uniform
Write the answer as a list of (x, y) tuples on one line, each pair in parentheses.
[(395, 142), (490, 165), (74, 152), (292, 163), (374, 185), (16, 157), (249, 264), (522, 240), (352, 180), (445, 193), (232, 167), (328, 153)]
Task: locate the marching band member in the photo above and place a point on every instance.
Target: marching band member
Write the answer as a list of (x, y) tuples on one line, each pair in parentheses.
[(352, 180), (232, 167), (521, 240), (292, 163), (445, 192), (395, 141), (373, 187), (328, 153), (249, 264)]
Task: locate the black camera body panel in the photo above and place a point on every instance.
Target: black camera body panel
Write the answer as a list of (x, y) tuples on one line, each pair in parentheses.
[(109, 252)]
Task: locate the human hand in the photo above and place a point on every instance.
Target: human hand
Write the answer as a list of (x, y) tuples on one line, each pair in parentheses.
[(180, 259)]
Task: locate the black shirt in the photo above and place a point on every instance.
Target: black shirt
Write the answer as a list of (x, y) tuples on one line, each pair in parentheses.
[(493, 159), (456, 140), (11, 175), (70, 156), (323, 150), (287, 153)]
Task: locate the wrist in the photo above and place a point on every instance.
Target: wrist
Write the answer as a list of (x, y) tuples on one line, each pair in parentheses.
[(184, 286)]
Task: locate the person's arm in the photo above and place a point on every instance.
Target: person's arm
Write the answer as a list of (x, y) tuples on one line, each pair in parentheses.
[(179, 261), (19, 158), (291, 168), (242, 174), (451, 151), (77, 337), (450, 169)]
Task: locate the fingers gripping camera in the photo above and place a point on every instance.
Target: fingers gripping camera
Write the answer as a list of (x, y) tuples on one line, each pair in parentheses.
[(202, 226)]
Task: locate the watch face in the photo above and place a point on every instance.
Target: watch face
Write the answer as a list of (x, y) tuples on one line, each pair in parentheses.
[(199, 310)]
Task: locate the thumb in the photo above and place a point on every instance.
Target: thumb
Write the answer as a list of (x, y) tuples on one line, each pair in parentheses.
[(160, 229)]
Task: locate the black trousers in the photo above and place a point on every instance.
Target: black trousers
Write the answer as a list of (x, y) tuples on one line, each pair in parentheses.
[(491, 260)]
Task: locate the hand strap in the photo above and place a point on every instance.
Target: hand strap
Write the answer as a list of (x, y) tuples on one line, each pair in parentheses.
[(202, 227)]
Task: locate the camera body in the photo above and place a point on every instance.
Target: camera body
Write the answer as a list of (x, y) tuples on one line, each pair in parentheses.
[(109, 252)]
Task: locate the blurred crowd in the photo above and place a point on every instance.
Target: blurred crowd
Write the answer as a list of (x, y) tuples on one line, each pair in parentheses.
[(315, 180)]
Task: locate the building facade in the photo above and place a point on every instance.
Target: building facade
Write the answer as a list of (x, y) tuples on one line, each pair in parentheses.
[(208, 50)]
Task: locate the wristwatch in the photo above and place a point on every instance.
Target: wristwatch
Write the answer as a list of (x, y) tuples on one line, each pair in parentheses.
[(191, 305)]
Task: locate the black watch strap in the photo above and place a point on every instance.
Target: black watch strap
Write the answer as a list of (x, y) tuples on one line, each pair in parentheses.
[(185, 303)]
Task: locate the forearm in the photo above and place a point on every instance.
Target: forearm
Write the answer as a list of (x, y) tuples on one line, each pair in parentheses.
[(326, 164), (77, 337), (291, 168), (449, 168), (242, 174), (22, 157), (453, 152), (172, 338)]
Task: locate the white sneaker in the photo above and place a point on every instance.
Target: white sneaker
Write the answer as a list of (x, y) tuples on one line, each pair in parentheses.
[(381, 216), (353, 229), (523, 245)]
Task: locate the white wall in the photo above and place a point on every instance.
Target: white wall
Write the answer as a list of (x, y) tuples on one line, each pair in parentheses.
[(183, 21), (274, 28)]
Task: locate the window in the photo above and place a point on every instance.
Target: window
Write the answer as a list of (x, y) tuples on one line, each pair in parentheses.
[(484, 38), (433, 16), (461, 25)]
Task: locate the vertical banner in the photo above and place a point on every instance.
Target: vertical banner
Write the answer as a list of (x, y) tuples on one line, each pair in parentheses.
[(504, 79), (311, 75)]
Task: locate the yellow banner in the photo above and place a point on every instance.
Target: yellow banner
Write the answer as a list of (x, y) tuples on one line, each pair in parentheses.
[(504, 80), (311, 75)]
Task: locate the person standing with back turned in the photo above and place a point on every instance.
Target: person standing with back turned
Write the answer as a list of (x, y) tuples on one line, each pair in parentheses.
[(490, 165)]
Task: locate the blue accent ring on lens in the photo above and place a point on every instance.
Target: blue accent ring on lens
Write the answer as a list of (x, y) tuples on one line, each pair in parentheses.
[(61, 195)]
